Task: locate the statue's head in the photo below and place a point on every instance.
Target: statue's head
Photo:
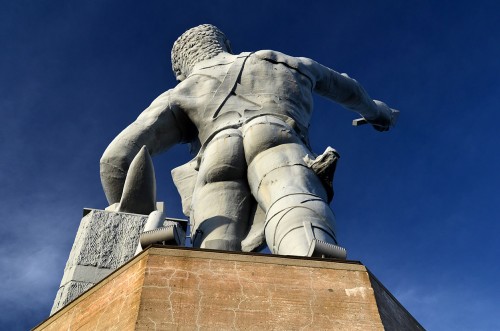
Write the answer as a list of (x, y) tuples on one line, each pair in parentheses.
[(197, 44)]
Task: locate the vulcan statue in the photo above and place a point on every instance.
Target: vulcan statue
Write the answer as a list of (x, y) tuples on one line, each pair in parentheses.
[(254, 179)]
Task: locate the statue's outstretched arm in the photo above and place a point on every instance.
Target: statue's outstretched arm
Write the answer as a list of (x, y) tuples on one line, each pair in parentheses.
[(350, 94), (158, 128)]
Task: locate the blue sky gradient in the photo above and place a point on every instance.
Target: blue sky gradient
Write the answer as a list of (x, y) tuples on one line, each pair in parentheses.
[(418, 205)]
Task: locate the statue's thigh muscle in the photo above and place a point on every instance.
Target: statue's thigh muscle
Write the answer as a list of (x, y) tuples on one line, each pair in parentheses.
[(221, 201), (290, 193), (276, 166)]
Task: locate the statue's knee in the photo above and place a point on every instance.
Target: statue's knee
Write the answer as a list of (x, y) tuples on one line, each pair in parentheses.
[(265, 132), (297, 222), (222, 232)]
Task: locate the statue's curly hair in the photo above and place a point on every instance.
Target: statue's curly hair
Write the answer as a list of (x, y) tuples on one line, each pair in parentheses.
[(197, 44)]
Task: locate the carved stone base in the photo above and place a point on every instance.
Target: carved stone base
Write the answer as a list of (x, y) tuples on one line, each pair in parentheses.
[(104, 241), (167, 288)]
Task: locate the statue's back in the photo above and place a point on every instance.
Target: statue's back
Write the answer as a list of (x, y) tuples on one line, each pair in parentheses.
[(263, 86)]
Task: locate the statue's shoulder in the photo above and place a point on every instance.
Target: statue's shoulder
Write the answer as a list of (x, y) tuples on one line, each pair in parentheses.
[(275, 56), (217, 61), (296, 63)]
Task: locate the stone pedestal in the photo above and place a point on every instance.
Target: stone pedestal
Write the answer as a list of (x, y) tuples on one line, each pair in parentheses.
[(167, 288), (105, 241)]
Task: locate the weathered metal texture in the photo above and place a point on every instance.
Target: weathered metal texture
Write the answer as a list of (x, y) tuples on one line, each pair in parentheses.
[(249, 116)]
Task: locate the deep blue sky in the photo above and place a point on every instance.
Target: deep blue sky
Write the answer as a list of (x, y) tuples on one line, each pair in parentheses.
[(417, 205)]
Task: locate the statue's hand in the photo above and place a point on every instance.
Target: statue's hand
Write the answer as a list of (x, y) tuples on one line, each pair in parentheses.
[(386, 117)]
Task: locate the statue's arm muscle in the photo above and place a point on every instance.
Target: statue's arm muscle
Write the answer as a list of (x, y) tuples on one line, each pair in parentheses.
[(341, 89), (157, 127)]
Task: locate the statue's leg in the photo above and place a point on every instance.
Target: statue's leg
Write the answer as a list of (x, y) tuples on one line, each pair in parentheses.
[(291, 194), (222, 200)]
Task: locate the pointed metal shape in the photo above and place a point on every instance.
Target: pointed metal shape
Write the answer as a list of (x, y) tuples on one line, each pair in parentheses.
[(139, 190)]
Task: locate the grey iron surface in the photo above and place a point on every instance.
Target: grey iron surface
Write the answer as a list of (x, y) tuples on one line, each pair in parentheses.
[(255, 178)]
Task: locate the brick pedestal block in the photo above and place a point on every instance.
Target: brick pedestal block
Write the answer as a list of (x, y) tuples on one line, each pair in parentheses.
[(167, 288)]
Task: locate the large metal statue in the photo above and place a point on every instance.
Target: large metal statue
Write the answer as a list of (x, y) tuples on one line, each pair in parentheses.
[(254, 178)]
